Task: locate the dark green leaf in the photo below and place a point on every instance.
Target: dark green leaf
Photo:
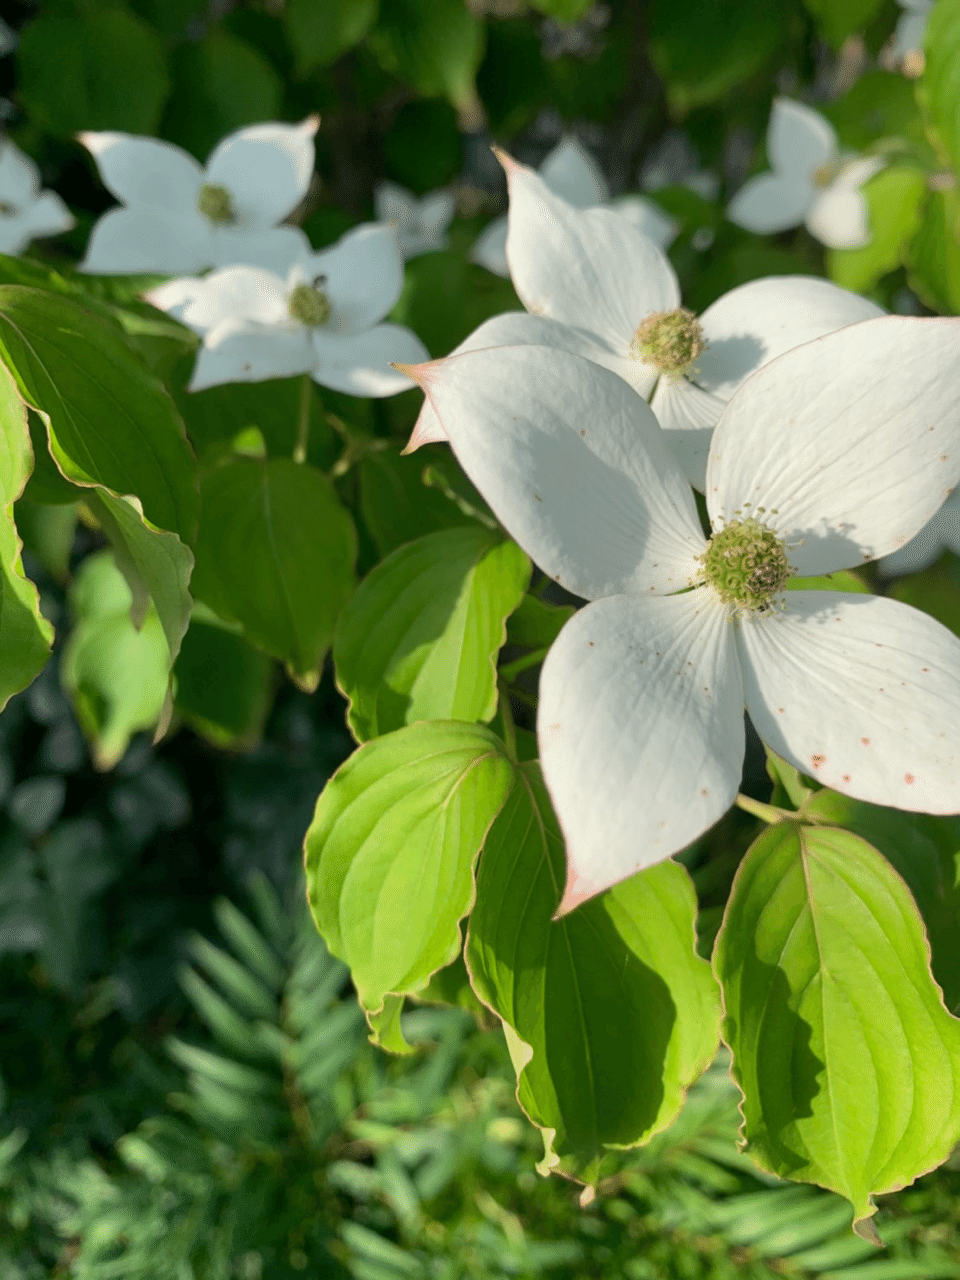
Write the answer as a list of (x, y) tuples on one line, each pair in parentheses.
[(224, 688), (319, 34), (275, 553), (397, 505), (838, 19), (536, 624), (419, 639), (109, 420), (436, 48)]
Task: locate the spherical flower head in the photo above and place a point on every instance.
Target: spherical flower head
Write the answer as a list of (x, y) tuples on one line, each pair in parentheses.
[(746, 565), (216, 204), (309, 305), (669, 340)]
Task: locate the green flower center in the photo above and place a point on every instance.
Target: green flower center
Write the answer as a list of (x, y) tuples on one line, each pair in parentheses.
[(308, 305), (669, 340), (216, 204), (746, 564), (825, 175)]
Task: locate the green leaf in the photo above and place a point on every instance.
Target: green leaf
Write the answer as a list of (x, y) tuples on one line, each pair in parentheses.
[(610, 1013), (48, 533), (115, 674), (155, 563), (419, 639), (935, 590), (275, 553), (702, 48), (879, 105), (436, 48), (933, 266), (319, 34), (224, 687), (536, 624), (385, 1028), (925, 850), (99, 69), (220, 83), (397, 506), (390, 851), (564, 10), (109, 420), (838, 19), (939, 85), (25, 635), (894, 198), (848, 1062), (839, 580)]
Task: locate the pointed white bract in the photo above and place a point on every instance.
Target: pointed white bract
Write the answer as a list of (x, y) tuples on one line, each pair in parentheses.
[(831, 453), (941, 533), (321, 316), (177, 216), (810, 182), (26, 212), (590, 280), (570, 172), (421, 221)]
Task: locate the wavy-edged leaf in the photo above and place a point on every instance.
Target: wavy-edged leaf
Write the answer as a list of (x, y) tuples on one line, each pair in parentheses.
[(275, 553), (25, 635), (420, 638), (848, 1062), (391, 849), (610, 1013), (109, 420)]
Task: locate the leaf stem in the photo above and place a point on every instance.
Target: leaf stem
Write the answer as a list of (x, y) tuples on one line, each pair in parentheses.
[(506, 715), (303, 420), (765, 812)]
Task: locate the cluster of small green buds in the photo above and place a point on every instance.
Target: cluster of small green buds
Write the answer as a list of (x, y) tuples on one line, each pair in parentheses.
[(216, 204), (309, 305), (746, 564), (669, 340)]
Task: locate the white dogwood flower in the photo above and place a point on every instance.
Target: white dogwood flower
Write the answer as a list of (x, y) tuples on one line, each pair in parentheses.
[(810, 182), (942, 533), (600, 288), (177, 216), (831, 455), (26, 212), (421, 221), (571, 172), (320, 317)]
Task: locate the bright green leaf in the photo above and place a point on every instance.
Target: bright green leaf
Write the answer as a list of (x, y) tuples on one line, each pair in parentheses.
[(894, 198), (25, 635), (436, 48), (838, 19), (564, 10), (391, 849), (155, 563), (847, 1059), (275, 553), (611, 1014), (115, 674), (99, 69), (419, 639), (224, 687), (925, 850), (839, 580), (939, 86), (933, 265), (319, 34), (109, 420)]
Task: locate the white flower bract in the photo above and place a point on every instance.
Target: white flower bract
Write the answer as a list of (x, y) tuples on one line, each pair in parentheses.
[(421, 222), (26, 212), (177, 216), (570, 172), (319, 317), (942, 533), (810, 182), (840, 450), (590, 280)]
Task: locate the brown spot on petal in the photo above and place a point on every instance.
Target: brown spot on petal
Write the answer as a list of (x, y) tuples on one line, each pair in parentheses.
[(780, 710), (846, 777), (817, 761), (909, 779), (590, 643), (865, 741), (704, 791)]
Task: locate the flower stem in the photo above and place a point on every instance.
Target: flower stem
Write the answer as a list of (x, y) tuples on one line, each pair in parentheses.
[(765, 812), (303, 420)]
